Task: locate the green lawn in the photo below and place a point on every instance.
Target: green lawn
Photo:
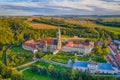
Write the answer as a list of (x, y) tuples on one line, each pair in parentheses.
[(46, 65), (99, 59), (19, 56), (64, 57), (60, 57), (111, 29), (55, 66), (30, 75), (81, 58), (19, 49)]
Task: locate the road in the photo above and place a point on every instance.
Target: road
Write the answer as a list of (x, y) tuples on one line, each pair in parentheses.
[(27, 64)]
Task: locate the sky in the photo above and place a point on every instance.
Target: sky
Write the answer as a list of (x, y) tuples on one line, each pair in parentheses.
[(59, 7)]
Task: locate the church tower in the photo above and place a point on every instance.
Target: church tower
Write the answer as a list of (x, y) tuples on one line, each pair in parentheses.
[(58, 36)]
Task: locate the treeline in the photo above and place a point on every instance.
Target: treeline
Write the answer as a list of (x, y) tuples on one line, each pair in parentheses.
[(63, 23), (14, 31), (114, 22), (83, 29), (67, 75)]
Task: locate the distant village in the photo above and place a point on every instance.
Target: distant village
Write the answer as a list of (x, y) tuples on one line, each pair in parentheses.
[(55, 45)]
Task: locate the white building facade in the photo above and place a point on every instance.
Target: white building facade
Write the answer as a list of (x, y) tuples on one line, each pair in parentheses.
[(103, 68)]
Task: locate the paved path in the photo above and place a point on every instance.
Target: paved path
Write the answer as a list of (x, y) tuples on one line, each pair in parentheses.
[(27, 64), (55, 63), (24, 69)]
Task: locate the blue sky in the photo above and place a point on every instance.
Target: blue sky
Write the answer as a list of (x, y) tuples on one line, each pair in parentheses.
[(59, 7)]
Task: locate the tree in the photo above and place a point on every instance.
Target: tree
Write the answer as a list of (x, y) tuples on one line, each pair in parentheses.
[(39, 54), (106, 51), (74, 58), (17, 77), (50, 68), (98, 50), (73, 75), (104, 45)]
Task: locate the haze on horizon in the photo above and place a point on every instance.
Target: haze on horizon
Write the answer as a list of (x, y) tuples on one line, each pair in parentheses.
[(59, 7)]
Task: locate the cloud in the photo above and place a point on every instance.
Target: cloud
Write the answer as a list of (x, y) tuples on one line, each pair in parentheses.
[(63, 6), (109, 5), (12, 12)]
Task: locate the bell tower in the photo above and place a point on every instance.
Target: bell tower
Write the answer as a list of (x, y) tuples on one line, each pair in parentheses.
[(58, 36)]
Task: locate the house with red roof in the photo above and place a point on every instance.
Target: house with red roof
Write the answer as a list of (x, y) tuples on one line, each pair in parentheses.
[(72, 46), (30, 45)]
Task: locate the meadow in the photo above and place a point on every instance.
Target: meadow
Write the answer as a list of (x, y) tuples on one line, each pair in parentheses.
[(30, 75), (41, 26)]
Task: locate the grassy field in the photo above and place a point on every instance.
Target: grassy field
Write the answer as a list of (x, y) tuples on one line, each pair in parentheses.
[(83, 58), (30, 75), (64, 57), (19, 49), (93, 25), (61, 57), (55, 66), (41, 26)]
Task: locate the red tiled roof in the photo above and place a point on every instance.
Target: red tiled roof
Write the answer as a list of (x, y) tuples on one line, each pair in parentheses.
[(30, 41), (84, 43), (39, 42), (118, 57), (90, 45), (69, 44), (78, 44), (30, 45), (48, 40)]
